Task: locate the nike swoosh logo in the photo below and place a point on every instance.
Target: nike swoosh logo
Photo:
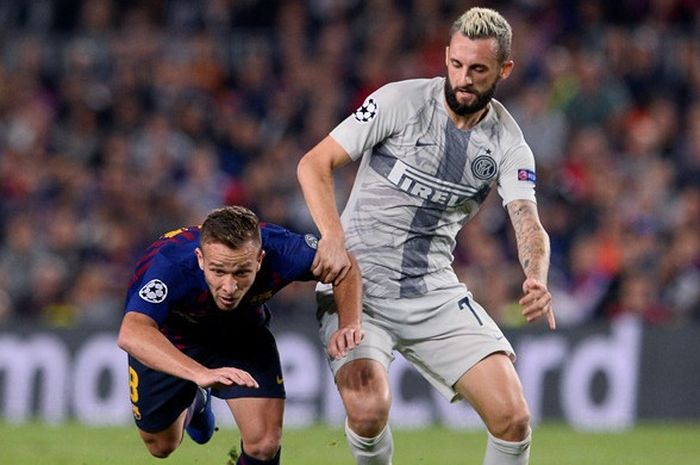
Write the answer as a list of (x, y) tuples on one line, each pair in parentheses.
[(280, 380)]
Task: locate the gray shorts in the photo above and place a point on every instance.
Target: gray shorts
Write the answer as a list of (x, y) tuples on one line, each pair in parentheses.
[(442, 334)]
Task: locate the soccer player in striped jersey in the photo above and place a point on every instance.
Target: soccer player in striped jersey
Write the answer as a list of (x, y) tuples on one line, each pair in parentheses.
[(431, 150), (196, 325)]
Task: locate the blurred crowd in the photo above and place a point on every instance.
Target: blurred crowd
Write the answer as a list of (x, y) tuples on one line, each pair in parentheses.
[(121, 120)]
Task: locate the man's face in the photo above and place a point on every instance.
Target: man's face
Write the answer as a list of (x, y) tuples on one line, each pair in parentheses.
[(229, 273), (472, 73)]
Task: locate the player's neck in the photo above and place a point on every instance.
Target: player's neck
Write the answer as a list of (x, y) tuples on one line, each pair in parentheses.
[(467, 121)]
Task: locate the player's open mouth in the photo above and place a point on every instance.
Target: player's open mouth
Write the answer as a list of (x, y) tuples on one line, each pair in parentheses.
[(227, 300)]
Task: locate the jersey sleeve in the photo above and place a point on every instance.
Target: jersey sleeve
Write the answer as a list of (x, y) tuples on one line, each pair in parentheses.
[(155, 289), (517, 176), (289, 255), (379, 117)]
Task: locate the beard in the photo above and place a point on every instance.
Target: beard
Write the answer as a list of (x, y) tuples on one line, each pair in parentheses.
[(463, 109)]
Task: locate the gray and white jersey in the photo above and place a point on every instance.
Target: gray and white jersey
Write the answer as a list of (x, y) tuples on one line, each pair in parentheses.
[(420, 179)]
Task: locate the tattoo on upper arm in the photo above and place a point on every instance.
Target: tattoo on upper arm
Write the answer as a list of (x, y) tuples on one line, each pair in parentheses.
[(532, 240)]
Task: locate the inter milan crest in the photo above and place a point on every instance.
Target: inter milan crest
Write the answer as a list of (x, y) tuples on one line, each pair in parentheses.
[(367, 111), (154, 291), (484, 167)]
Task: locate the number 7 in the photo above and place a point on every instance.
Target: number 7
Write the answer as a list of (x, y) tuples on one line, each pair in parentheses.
[(465, 303)]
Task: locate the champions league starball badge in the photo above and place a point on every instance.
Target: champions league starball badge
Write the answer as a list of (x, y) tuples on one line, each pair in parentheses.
[(367, 111), (154, 291)]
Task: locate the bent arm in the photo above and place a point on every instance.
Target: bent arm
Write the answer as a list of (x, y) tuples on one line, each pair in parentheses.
[(348, 296), (533, 252), (140, 337), (315, 175), (348, 299)]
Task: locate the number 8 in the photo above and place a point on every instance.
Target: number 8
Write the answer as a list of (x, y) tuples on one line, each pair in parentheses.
[(133, 385)]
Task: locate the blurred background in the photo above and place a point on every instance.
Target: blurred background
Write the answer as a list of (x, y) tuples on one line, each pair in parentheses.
[(123, 120), (120, 120)]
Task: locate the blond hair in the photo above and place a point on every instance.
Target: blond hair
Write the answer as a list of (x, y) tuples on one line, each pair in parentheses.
[(485, 23)]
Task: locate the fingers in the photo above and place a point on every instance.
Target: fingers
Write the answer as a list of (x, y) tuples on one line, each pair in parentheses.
[(230, 376), (338, 346), (358, 335), (343, 272), (329, 274), (335, 271), (316, 267), (243, 378), (323, 270), (531, 284), (331, 262), (343, 341), (551, 321), (537, 302)]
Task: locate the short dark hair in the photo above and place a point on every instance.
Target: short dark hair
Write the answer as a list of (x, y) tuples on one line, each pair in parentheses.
[(231, 226)]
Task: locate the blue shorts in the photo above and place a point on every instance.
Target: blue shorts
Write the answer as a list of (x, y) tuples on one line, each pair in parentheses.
[(158, 399)]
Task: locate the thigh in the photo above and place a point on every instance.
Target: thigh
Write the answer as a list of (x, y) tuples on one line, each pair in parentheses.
[(170, 435), (158, 400), (493, 389), (450, 340), (258, 419), (377, 344)]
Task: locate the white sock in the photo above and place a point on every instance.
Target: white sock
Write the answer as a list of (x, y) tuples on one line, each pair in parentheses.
[(500, 452), (370, 451)]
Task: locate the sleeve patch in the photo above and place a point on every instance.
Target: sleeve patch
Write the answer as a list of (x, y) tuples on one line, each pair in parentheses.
[(154, 291), (527, 175), (311, 241), (367, 111)]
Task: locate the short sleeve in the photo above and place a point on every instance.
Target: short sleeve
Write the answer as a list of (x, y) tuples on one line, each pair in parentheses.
[(379, 117), (154, 291), (517, 176), (288, 254)]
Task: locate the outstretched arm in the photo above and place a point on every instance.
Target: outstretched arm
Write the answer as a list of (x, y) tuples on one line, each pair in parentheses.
[(315, 174), (348, 300), (533, 253), (140, 337)]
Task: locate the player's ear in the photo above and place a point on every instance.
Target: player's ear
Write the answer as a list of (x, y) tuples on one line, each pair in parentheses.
[(506, 69), (261, 255), (200, 257)]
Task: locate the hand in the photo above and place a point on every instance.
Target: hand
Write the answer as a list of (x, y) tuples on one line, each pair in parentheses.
[(537, 302), (226, 376), (331, 262), (344, 340)]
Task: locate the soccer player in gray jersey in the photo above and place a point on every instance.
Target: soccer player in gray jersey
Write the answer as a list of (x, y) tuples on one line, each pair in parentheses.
[(431, 151)]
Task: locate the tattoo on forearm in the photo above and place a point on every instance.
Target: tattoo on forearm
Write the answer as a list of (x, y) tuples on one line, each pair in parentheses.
[(532, 240)]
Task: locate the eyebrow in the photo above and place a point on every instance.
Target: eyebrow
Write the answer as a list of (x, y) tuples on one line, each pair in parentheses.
[(213, 264)]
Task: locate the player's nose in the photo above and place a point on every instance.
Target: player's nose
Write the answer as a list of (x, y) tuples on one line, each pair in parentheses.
[(229, 284), (464, 79)]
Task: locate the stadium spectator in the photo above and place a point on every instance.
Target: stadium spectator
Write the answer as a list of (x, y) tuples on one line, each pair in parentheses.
[(196, 325), (76, 72), (431, 151), (638, 296)]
